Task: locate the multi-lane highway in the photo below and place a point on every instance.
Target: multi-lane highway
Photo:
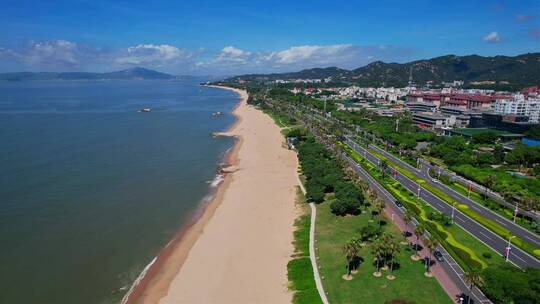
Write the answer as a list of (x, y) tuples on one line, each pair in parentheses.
[(451, 267), (492, 240), (514, 228), (476, 187)]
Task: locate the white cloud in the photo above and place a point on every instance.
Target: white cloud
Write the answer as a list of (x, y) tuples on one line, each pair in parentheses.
[(231, 55), (231, 51), (492, 37), (153, 55), (52, 53), (313, 53), (231, 60), (62, 55)]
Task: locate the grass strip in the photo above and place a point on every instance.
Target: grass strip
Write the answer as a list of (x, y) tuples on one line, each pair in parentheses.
[(299, 269)]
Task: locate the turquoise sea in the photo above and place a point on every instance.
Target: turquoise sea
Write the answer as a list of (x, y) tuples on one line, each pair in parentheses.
[(90, 189)]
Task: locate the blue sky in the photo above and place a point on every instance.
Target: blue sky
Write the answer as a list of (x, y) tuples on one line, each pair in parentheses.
[(229, 37)]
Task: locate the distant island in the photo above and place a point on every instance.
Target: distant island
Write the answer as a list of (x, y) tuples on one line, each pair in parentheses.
[(474, 70), (129, 74)]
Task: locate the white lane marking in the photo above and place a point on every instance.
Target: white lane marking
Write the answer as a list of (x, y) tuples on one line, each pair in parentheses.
[(530, 238), (500, 222), (484, 235), (516, 256)]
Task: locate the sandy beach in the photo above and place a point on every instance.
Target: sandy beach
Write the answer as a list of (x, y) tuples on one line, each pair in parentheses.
[(238, 249)]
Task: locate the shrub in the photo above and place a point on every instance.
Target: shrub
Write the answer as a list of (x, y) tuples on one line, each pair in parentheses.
[(342, 208), (314, 191), (487, 255), (503, 284)]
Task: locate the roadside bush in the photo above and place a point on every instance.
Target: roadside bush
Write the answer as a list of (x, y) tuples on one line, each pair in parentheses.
[(466, 257), (487, 255)]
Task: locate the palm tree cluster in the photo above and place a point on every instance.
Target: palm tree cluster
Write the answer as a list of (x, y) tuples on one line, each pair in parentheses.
[(385, 250)]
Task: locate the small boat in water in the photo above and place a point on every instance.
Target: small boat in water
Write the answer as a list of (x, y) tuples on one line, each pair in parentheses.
[(144, 110), (217, 113)]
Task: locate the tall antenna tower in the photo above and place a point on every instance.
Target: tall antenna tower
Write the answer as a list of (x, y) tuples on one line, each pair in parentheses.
[(410, 78)]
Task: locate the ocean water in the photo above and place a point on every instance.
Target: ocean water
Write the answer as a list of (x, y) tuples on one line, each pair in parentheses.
[(90, 189)]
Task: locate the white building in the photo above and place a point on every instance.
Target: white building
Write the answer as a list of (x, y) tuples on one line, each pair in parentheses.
[(519, 106)]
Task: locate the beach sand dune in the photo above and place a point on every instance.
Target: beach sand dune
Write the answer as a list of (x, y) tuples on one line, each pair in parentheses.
[(241, 245)]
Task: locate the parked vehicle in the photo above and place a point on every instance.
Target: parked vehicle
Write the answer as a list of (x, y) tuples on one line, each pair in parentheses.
[(438, 256)]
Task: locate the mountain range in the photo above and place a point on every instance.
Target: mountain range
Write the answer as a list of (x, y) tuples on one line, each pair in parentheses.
[(129, 74), (516, 70)]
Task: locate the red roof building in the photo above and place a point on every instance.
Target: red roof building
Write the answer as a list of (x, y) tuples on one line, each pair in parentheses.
[(469, 101)]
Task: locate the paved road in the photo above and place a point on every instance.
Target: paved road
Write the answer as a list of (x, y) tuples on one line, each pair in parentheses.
[(498, 244), (450, 266), (478, 188), (515, 229)]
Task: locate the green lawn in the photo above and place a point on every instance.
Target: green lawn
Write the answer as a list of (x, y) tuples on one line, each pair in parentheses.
[(299, 270), (411, 284)]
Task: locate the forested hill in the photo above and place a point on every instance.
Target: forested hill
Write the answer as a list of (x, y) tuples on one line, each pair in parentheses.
[(134, 73), (519, 70)]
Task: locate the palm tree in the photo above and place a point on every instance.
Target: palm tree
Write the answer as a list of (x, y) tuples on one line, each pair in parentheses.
[(379, 206), (431, 244), (384, 167), (350, 250), (393, 249), (378, 253), (418, 231), (407, 218), (473, 278), (489, 182)]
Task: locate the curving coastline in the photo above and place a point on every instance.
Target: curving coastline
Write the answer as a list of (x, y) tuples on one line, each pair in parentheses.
[(203, 263)]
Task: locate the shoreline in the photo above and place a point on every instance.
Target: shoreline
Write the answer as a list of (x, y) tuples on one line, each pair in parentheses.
[(154, 281)]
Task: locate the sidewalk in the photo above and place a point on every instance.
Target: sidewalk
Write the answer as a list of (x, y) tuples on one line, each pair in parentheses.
[(437, 270)]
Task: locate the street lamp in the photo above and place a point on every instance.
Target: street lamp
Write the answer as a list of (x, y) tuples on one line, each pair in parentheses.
[(508, 248), (393, 217), (419, 189), (516, 211)]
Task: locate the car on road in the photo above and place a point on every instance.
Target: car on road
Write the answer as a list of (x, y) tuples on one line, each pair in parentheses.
[(398, 204), (438, 256)]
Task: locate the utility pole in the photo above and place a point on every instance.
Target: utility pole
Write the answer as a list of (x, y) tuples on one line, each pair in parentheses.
[(453, 211), (516, 211), (397, 125)]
